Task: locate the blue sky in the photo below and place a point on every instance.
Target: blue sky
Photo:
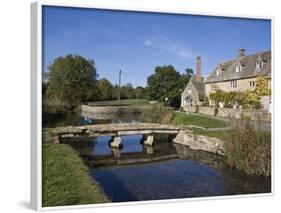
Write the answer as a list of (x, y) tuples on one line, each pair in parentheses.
[(138, 42)]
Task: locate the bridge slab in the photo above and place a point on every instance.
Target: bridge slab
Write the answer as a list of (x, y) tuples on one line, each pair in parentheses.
[(149, 140), (116, 142)]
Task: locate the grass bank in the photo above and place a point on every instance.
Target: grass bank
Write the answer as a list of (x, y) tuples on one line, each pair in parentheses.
[(221, 134), (66, 179), (180, 118)]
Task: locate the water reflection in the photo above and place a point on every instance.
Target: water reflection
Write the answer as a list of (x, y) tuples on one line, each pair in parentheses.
[(163, 171)]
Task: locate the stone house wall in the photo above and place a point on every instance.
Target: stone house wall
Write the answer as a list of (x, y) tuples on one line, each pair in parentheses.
[(191, 91), (242, 85)]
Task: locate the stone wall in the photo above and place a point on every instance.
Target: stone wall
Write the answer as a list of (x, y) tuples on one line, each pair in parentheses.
[(229, 112), (200, 109), (111, 109), (200, 142)]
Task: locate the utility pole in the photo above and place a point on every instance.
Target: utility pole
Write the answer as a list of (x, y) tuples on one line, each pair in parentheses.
[(119, 98)]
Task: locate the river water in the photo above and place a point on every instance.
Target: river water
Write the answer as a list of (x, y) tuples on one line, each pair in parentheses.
[(165, 171)]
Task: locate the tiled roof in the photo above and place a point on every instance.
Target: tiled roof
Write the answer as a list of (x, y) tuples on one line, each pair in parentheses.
[(248, 63), (199, 85)]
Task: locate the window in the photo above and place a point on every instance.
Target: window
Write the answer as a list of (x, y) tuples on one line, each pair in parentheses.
[(219, 71), (213, 87), (253, 84), (189, 91), (233, 84), (259, 65), (238, 68)]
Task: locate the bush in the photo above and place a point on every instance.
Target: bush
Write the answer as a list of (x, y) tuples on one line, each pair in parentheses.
[(157, 113), (54, 106), (206, 102), (248, 148)]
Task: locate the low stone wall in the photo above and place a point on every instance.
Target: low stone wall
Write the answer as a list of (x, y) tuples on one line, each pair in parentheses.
[(229, 112), (200, 142), (111, 109)]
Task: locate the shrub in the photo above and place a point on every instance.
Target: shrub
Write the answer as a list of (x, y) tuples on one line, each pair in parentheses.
[(201, 96), (55, 106), (206, 102), (157, 113), (249, 148)]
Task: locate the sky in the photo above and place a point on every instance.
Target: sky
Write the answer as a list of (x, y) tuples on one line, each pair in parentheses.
[(137, 42)]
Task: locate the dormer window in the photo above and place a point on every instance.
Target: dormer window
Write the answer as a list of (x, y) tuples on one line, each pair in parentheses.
[(219, 71), (238, 68), (259, 64)]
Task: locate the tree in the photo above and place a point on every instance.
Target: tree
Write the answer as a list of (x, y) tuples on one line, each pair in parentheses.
[(115, 92), (140, 92), (165, 83), (262, 89), (72, 79), (127, 91), (189, 72), (105, 89), (184, 78)]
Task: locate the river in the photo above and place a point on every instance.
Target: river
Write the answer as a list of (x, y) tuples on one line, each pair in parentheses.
[(164, 171)]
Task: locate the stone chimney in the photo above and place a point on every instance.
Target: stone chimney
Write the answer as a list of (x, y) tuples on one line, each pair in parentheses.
[(198, 69), (241, 52)]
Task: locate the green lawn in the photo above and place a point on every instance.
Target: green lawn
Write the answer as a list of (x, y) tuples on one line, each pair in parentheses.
[(197, 120), (221, 134), (123, 102), (66, 179)]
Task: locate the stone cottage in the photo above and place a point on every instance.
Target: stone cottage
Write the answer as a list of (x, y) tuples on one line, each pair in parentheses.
[(193, 94), (240, 74)]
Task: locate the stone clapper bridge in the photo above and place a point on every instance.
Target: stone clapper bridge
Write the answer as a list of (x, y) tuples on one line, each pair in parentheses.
[(116, 131)]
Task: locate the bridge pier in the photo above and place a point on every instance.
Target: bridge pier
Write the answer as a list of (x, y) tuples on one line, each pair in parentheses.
[(149, 140), (116, 142), (116, 152), (149, 150)]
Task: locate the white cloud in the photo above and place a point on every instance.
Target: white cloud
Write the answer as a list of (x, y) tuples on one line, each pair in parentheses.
[(172, 46), (148, 43)]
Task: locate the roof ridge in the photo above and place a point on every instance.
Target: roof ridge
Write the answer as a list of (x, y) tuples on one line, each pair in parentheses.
[(251, 55), (229, 67)]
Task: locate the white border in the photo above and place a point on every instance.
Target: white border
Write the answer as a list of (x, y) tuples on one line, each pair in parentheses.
[(36, 99)]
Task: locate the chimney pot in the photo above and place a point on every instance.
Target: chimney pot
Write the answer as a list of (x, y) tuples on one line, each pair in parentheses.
[(241, 52)]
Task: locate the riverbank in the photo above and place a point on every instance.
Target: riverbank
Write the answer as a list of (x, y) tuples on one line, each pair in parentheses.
[(246, 144), (66, 179), (122, 102)]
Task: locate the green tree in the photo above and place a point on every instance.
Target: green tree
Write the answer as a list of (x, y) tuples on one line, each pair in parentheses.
[(184, 79), (140, 92), (253, 97), (189, 73), (262, 88), (72, 79), (165, 83), (105, 89), (127, 91)]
